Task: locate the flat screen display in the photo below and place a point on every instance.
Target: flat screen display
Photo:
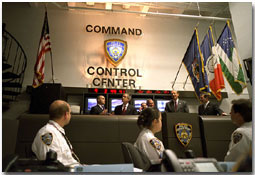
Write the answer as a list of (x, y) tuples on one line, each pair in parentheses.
[(206, 167), (138, 102), (161, 104), (91, 102), (115, 102)]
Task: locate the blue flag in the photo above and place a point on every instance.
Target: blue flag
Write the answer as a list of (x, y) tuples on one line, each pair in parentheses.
[(206, 49), (194, 65)]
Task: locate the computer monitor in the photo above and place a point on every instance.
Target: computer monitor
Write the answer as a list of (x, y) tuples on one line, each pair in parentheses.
[(115, 102), (89, 103), (137, 103), (161, 104)]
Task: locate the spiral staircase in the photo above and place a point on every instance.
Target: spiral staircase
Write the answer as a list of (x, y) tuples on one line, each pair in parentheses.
[(14, 63)]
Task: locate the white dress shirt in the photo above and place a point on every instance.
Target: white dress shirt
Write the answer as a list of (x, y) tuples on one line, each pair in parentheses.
[(43, 142)]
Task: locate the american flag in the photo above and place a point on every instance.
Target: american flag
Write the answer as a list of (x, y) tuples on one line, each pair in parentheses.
[(44, 46)]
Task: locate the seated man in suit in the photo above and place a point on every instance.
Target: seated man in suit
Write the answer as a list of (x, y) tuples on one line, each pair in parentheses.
[(176, 105), (99, 109), (208, 108), (125, 108)]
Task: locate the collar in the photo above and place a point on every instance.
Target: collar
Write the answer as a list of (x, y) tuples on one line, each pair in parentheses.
[(177, 100), (246, 125), (126, 105), (148, 131), (101, 106), (206, 104), (58, 127)]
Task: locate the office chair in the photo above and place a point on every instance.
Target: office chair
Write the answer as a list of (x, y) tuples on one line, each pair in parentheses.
[(139, 159), (13, 163)]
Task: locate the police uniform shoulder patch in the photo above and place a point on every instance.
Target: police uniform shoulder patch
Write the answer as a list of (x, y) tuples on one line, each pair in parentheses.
[(237, 136), (155, 143), (47, 139)]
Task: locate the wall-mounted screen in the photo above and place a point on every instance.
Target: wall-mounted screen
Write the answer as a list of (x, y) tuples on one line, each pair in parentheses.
[(90, 103), (161, 104), (115, 102)]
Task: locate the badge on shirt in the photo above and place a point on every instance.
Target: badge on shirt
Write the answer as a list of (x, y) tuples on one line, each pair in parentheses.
[(237, 137), (47, 138), (155, 143)]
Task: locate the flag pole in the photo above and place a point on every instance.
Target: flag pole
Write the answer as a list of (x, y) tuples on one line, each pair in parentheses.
[(185, 82), (52, 72), (52, 66), (176, 75)]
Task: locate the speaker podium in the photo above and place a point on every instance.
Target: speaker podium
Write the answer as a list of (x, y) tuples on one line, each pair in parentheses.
[(44, 95)]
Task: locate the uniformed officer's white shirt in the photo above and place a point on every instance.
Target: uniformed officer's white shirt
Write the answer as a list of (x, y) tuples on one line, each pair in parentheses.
[(241, 142), (149, 144), (58, 144)]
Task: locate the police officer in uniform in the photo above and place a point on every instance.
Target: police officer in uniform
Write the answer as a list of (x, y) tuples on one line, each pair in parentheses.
[(150, 122), (241, 138), (52, 136)]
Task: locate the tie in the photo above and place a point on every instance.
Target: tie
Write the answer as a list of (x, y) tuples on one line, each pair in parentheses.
[(69, 144), (175, 106), (124, 109)]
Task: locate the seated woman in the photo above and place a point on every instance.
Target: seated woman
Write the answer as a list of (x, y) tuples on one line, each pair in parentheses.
[(150, 123)]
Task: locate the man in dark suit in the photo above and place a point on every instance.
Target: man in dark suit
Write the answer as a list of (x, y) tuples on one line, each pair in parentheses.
[(99, 109), (176, 105), (125, 108), (208, 108)]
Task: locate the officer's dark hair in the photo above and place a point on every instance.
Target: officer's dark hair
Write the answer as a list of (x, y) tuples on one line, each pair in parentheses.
[(147, 116), (244, 107), (58, 109)]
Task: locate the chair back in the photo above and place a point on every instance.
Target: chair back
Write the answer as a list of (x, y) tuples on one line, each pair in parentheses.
[(133, 155)]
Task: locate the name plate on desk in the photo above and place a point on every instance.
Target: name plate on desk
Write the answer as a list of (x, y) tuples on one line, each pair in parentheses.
[(105, 168)]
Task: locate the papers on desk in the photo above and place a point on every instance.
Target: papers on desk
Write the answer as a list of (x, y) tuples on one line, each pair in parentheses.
[(227, 166), (106, 168)]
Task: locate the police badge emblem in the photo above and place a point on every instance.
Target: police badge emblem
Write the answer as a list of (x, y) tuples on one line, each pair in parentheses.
[(47, 138), (115, 50), (183, 133)]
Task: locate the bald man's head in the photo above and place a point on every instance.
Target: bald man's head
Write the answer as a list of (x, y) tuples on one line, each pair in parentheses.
[(58, 109)]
